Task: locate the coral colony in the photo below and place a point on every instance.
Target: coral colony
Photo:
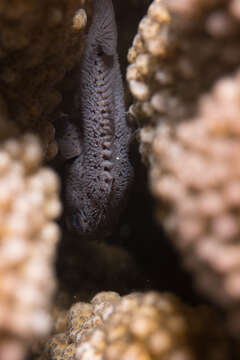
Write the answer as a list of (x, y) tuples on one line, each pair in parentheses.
[(76, 299)]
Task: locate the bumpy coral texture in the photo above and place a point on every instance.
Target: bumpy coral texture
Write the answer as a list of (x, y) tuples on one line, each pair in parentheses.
[(177, 55), (195, 7), (137, 326), (184, 50), (39, 42), (28, 236), (196, 177)]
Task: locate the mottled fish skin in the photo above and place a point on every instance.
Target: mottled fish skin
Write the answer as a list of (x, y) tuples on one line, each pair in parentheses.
[(95, 141)]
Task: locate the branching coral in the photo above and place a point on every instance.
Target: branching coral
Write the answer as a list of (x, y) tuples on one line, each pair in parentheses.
[(191, 140), (177, 56), (184, 50), (198, 189), (28, 236), (138, 326), (39, 42)]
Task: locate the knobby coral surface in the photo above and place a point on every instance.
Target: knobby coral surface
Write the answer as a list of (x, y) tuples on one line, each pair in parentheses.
[(198, 187), (185, 79), (137, 326), (28, 236), (39, 42), (177, 56), (182, 49)]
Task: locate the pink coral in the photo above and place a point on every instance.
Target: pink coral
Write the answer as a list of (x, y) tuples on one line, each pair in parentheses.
[(190, 133), (28, 235), (196, 177)]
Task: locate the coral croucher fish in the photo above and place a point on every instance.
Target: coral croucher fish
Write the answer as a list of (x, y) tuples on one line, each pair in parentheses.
[(95, 137)]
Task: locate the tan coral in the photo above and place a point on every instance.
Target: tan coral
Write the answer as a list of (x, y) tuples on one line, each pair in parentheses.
[(137, 326), (182, 47), (40, 42), (28, 236), (190, 139), (195, 175)]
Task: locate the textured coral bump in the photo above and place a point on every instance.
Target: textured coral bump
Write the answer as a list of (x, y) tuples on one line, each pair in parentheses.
[(138, 326), (187, 101), (28, 236), (196, 176)]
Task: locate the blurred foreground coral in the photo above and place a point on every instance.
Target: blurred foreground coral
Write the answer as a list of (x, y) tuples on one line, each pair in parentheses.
[(185, 79), (139, 326), (39, 42), (196, 177), (28, 236)]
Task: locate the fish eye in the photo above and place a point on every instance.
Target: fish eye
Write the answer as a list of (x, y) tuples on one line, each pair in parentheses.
[(79, 222), (75, 221), (100, 51)]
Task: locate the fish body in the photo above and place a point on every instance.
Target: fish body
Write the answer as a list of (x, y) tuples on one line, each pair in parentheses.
[(96, 135)]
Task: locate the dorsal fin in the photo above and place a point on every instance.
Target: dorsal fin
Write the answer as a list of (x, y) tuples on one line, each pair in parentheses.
[(103, 31)]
